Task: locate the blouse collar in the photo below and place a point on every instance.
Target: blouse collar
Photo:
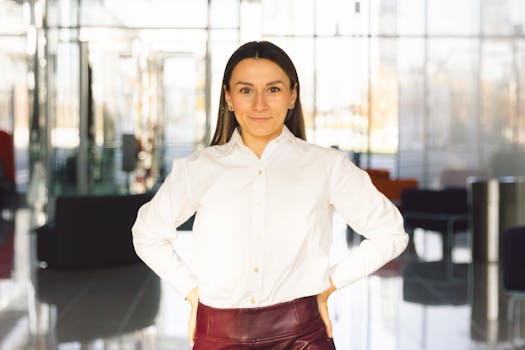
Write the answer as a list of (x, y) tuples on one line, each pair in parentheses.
[(236, 138)]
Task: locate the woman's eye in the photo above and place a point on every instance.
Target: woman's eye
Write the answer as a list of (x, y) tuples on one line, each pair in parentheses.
[(245, 91), (274, 89)]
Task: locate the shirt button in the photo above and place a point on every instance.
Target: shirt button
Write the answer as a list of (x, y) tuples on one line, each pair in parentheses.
[(258, 204), (252, 301), (260, 172), (255, 269)]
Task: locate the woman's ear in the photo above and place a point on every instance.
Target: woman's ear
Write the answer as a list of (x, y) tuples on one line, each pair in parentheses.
[(293, 97)]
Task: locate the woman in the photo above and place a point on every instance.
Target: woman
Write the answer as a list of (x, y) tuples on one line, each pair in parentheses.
[(264, 199)]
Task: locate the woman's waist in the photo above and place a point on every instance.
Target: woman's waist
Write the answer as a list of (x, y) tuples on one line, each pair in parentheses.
[(270, 321)]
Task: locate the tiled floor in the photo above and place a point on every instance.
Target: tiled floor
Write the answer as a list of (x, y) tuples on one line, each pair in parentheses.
[(410, 304)]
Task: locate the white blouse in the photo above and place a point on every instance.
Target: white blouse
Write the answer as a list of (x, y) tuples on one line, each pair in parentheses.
[(263, 227)]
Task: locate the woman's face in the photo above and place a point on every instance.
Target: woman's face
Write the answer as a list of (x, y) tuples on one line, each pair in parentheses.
[(260, 95)]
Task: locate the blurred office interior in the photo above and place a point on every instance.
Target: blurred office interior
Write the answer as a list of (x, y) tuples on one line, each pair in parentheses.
[(97, 97)]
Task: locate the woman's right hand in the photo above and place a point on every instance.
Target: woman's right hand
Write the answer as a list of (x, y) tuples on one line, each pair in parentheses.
[(322, 304), (193, 299)]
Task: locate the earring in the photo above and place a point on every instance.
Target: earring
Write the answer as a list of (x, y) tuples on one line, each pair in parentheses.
[(291, 106), (230, 108)]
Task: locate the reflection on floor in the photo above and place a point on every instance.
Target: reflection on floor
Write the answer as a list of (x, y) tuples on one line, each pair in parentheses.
[(411, 303)]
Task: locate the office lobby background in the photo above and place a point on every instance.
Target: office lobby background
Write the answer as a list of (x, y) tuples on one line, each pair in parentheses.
[(101, 95)]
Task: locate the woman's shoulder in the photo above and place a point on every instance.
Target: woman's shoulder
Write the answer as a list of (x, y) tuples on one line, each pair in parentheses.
[(196, 165), (328, 153), (203, 156)]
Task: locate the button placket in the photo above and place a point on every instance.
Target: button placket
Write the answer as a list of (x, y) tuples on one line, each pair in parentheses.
[(258, 227)]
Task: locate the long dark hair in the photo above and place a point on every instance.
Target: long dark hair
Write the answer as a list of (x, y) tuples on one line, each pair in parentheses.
[(226, 122)]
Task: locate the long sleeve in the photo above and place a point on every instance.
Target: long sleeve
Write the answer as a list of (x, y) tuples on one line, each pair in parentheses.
[(369, 213), (156, 225)]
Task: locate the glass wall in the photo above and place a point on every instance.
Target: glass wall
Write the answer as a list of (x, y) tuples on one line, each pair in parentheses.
[(123, 88), (461, 101)]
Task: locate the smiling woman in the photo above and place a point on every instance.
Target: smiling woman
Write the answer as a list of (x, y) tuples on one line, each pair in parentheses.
[(263, 200), (266, 78)]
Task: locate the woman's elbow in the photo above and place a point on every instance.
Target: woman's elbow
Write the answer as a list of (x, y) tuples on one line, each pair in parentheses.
[(401, 243)]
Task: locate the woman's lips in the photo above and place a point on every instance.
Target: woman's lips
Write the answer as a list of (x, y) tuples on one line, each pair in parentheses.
[(259, 119)]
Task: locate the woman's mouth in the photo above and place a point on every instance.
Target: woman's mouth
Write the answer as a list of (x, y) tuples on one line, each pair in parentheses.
[(259, 119)]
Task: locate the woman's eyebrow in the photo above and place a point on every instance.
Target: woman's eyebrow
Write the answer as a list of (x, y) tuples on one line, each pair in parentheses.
[(275, 82), (250, 84), (243, 83)]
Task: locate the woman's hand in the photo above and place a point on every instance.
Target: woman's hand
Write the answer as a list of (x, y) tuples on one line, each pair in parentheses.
[(193, 299), (322, 304)]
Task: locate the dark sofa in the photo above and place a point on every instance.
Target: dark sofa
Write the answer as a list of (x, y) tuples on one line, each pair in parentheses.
[(90, 231)]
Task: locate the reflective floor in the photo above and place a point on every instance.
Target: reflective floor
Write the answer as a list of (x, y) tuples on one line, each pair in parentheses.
[(415, 302)]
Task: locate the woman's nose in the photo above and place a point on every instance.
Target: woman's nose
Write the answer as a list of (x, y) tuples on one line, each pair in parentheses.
[(259, 101)]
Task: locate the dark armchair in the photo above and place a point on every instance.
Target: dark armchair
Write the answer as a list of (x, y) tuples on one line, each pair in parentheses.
[(444, 211)]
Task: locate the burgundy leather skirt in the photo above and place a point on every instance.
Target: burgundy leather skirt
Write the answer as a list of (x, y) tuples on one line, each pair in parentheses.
[(293, 325)]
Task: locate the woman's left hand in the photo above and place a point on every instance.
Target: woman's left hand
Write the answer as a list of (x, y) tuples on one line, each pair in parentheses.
[(193, 299), (322, 304)]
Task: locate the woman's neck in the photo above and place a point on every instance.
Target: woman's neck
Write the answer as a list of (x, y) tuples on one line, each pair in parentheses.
[(257, 146), (258, 143)]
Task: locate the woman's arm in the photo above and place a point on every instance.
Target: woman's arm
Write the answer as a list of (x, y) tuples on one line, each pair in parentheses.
[(155, 228), (370, 214)]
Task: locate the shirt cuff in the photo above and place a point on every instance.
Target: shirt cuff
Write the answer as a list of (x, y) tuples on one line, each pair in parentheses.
[(183, 282), (336, 278)]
